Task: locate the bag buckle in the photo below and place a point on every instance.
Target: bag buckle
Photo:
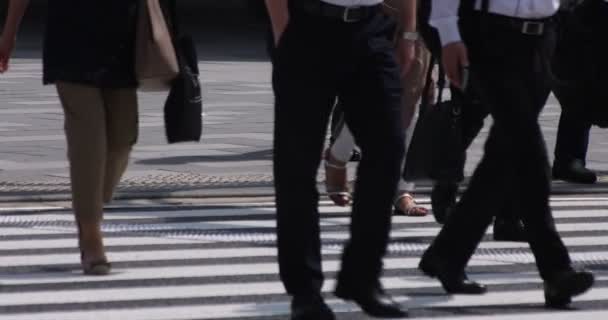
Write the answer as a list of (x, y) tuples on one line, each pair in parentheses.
[(346, 14), (533, 28)]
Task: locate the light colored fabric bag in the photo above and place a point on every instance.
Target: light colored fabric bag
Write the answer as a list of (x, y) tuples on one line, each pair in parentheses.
[(156, 64)]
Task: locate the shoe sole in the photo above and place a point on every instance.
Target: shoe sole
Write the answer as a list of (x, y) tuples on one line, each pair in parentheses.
[(571, 287), (348, 298)]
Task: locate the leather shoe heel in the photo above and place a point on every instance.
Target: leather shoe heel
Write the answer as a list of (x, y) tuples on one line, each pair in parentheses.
[(374, 302), (310, 308), (452, 282), (560, 290)]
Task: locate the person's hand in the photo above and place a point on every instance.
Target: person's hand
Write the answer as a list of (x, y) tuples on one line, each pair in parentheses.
[(455, 58), (7, 44), (406, 53)]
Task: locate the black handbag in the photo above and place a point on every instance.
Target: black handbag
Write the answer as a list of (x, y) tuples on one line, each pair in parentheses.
[(183, 111), (437, 148)]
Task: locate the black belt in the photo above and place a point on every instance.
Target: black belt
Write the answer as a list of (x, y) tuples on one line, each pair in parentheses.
[(332, 11), (532, 27)]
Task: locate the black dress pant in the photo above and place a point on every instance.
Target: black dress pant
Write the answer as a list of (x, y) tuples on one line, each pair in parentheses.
[(474, 113), (573, 131), (316, 60), (511, 70)]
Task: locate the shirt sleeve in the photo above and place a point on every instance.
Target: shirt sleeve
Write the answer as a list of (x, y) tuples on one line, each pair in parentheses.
[(444, 17)]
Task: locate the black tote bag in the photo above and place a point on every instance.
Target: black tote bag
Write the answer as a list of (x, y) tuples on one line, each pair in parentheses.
[(183, 111), (437, 148)]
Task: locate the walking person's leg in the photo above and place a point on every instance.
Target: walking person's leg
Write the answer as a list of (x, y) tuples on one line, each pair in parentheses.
[(572, 143), (372, 100), (305, 72), (511, 70), (513, 135), (336, 171), (122, 130), (85, 128), (413, 88)]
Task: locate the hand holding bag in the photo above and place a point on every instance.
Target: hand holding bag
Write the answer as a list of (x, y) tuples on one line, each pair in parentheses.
[(437, 148), (156, 62)]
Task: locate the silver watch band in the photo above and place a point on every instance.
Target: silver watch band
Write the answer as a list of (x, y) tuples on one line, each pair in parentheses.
[(411, 36)]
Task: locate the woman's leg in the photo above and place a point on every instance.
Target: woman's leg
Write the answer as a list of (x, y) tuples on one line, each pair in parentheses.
[(121, 135), (87, 148), (343, 145), (336, 159), (413, 87)]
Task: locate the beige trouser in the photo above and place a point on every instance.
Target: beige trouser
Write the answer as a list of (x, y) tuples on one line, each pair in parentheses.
[(101, 128)]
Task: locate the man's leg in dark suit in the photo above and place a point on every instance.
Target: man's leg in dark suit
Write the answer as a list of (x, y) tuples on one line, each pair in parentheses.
[(513, 82), (304, 79), (372, 101), (572, 142)]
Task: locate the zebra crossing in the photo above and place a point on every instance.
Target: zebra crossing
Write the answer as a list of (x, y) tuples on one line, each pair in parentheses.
[(219, 262)]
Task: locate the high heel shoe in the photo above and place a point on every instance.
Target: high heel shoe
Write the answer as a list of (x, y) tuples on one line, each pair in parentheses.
[(410, 208), (98, 267), (94, 267), (336, 183)]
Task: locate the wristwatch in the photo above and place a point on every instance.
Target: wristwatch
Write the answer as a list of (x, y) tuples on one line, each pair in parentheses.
[(410, 36)]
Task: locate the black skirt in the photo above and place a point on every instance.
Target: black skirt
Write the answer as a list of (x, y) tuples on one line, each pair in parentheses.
[(91, 42)]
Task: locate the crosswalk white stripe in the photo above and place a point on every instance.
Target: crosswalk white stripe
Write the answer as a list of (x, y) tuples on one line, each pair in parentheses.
[(245, 250), (555, 315), (27, 231), (268, 212), (157, 255), (212, 290), (73, 242), (271, 224), (257, 310), (251, 310), (179, 272)]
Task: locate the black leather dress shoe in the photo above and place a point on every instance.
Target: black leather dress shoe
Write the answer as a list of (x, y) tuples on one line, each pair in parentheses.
[(375, 302), (509, 229), (565, 285), (443, 200), (574, 171), (310, 308), (453, 282)]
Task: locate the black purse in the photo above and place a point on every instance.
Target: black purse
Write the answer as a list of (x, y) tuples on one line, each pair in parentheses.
[(437, 148), (183, 111)]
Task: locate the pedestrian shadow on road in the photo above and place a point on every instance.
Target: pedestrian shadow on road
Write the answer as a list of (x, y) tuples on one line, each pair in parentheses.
[(181, 160)]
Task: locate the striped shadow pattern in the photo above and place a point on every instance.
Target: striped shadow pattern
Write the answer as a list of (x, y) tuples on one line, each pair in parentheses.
[(219, 262)]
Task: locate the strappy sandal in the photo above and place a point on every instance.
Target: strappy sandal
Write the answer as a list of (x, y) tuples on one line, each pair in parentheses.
[(336, 183), (411, 210)]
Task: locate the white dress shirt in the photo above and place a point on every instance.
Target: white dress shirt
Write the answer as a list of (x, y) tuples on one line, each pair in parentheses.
[(444, 15), (352, 3)]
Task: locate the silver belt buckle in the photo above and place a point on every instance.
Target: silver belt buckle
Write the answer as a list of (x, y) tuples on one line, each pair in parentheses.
[(533, 28), (346, 16)]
